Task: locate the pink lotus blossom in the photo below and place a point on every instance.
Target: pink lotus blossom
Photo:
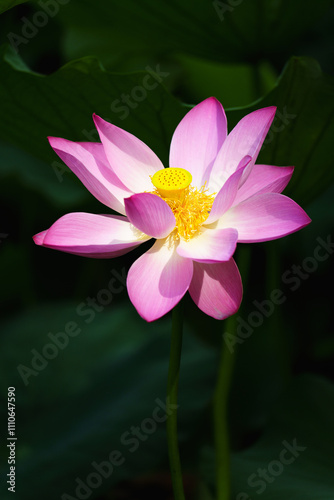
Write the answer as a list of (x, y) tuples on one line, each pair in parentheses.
[(210, 198)]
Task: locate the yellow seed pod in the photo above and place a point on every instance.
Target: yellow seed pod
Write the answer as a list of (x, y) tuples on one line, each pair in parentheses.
[(172, 182)]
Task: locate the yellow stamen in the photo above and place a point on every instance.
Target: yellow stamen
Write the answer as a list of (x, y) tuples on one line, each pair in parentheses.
[(190, 206)]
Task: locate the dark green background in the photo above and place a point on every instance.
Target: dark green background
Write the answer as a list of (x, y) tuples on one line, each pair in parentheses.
[(77, 57)]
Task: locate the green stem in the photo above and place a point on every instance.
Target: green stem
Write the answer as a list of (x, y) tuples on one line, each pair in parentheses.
[(220, 417), (172, 389), (222, 391)]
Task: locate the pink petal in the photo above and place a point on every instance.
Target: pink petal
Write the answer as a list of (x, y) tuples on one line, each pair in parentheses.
[(97, 150), (150, 214), (217, 288), (158, 280), (89, 163), (210, 246), (100, 236), (265, 217), (227, 193), (198, 138), (264, 179), (245, 139), (39, 238), (132, 161)]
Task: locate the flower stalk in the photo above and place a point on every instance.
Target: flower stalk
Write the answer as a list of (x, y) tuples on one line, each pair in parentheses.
[(220, 417), (221, 395), (172, 392)]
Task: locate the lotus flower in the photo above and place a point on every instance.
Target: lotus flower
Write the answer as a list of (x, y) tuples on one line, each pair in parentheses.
[(211, 197)]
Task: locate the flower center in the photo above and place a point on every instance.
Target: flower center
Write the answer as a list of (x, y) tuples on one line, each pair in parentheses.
[(172, 182), (190, 206)]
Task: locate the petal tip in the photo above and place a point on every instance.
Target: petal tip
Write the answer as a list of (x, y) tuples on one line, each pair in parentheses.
[(212, 99), (39, 238), (51, 139), (98, 120), (56, 141)]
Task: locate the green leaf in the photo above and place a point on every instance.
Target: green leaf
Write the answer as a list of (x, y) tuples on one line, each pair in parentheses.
[(223, 31), (302, 132), (8, 4), (33, 106), (94, 387), (219, 30), (231, 84), (61, 104), (37, 176)]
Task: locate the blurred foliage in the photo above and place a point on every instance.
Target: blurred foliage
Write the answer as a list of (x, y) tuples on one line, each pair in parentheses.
[(302, 131), (68, 59), (8, 4), (62, 104), (290, 460), (110, 377), (221, 31)]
